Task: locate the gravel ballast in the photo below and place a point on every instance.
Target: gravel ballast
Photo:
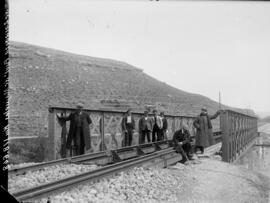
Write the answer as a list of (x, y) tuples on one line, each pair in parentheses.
[(48, 174), (202, 180), (135, 185)]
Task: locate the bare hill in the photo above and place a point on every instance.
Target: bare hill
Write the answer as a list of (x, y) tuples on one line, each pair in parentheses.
[(264, 121), (41, 77)]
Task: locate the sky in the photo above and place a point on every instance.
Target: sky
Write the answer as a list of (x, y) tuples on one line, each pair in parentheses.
[(202, 47)]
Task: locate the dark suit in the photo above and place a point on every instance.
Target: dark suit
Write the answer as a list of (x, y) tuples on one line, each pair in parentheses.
[(79, 131), (157, 128), (128, 128), (183, 136), (164, 128), (145, 128)]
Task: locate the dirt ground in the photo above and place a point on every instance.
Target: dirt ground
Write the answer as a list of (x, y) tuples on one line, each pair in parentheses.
[(215, 181)]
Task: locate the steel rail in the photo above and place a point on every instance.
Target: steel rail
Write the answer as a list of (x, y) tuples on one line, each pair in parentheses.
[(99, 155), (86, 157), (262, 145), (74, 159), (63, 184)]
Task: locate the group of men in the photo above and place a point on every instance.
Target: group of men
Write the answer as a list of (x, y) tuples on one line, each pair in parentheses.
[(148, 125), (156, 125)]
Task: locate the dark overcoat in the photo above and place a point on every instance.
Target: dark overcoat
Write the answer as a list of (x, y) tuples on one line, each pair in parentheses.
[(86, 121), (165, 123), (181, 135), (204, 134)]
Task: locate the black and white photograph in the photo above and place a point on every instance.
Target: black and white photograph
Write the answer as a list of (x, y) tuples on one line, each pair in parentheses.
[(137, 101)]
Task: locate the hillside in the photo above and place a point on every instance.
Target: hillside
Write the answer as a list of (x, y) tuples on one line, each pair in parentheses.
[(264, 121), (41, 77)]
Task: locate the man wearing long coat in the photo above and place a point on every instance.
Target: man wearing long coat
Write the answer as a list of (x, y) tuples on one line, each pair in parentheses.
[(79, 131), (204, 134)]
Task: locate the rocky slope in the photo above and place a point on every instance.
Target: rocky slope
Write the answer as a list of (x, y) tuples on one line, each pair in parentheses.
[(41, 77)]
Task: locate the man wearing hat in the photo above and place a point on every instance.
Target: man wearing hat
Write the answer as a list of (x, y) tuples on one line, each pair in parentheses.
[(145, 128), (79, 131), (128, 127), (157, 127), (204, 135), (164, 126), (182, 142)]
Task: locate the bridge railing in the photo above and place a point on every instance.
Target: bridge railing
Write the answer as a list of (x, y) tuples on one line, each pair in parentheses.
[(106, 132), (238, 132)]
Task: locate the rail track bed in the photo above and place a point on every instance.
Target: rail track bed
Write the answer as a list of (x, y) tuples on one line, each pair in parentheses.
[(45, 175), (138, 184), (57, 176), (95, 157), (103, 157)]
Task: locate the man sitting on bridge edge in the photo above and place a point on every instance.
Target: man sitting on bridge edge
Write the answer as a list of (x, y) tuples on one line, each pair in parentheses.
[(182, 143)]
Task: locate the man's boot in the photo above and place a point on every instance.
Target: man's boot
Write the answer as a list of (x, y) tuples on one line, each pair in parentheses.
[(202, 150)]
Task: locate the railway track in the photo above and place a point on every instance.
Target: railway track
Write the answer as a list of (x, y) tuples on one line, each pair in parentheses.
[(161, 158), (94, 156), (158, 154), (99, 158), (105, 157)]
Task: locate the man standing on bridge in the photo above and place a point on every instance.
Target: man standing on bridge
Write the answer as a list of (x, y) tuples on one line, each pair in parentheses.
[(204, 135), (157, 127), (164, 126), (145, 128), (128, 127), (79, 131)]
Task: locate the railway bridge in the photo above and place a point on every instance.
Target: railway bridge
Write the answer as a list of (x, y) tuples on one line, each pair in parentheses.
[(236, 131)]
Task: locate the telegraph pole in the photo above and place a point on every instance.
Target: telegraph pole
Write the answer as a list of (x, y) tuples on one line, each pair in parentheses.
[(219, 100)]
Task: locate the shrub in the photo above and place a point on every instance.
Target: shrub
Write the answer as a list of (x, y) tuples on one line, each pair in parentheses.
[(27, 150)]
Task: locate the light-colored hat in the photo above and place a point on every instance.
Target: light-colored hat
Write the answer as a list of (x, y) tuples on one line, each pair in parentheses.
[(79, 106)]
